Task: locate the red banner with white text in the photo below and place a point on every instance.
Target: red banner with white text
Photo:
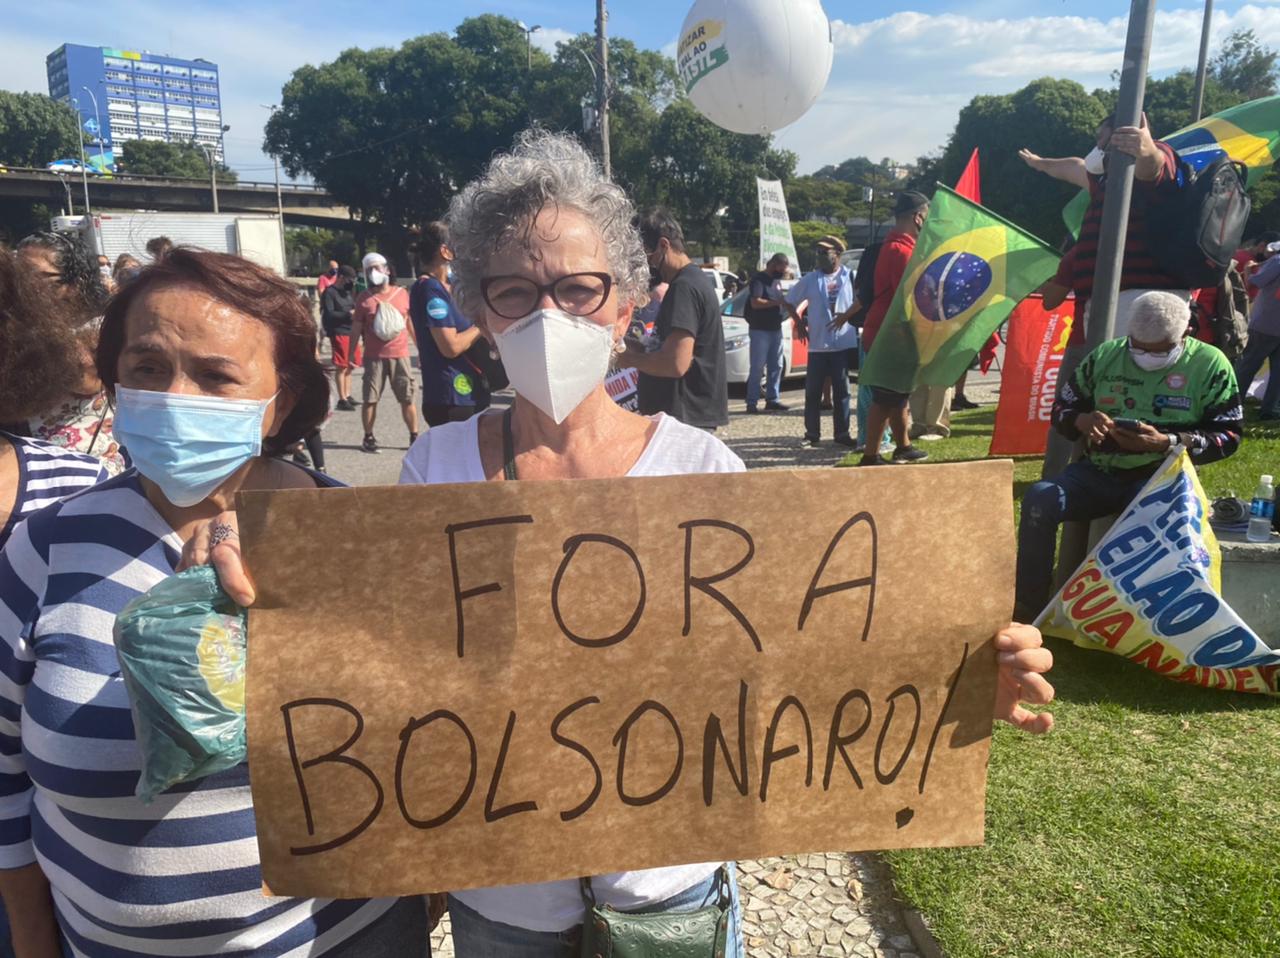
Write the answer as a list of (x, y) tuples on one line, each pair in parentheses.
[(1037, 338)]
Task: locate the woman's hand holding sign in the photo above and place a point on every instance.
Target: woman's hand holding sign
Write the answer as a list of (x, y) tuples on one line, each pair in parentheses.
[(1022, 660), (217, 543)]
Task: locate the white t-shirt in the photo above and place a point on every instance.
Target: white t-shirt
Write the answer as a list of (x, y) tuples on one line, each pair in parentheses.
[(451, 453)]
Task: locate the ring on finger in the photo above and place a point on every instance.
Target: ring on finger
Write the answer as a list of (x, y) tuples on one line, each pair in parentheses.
[(219, 533)]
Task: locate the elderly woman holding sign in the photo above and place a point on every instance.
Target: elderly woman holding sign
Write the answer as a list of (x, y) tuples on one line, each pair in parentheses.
[(551, 266)]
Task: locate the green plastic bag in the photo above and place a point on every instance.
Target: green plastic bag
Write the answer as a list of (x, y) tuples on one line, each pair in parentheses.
[(182, 656)]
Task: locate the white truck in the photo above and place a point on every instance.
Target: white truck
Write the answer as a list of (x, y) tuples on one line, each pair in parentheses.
[(255, 236)]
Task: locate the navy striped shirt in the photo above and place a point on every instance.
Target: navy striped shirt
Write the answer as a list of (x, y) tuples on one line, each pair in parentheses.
[(47, 474), (180, 876)]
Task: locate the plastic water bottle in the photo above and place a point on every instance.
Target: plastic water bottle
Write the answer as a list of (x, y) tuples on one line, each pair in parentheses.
[(1261, 511)]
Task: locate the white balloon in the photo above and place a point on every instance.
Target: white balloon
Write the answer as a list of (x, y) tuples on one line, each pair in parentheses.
[(754, 66)]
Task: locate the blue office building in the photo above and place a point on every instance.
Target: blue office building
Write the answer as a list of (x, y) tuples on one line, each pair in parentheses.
[(140, 96)]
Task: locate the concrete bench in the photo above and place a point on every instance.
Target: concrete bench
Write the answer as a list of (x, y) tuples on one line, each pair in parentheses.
[(1251, 582)]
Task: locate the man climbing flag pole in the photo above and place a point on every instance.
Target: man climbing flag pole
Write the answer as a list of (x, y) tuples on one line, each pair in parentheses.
[(968, 271)]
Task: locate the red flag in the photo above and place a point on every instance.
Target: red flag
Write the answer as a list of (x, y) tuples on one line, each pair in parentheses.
[(969, 185), (1032, 359)]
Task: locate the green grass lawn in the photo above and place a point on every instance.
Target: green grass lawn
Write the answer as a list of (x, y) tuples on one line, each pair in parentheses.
[(1145, 824)]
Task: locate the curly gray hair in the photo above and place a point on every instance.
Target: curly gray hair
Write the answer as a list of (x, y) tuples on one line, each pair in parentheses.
[(543, 169), (1159, 317)]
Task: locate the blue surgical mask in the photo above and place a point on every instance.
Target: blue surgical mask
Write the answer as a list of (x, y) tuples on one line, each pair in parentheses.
[(188, 445)]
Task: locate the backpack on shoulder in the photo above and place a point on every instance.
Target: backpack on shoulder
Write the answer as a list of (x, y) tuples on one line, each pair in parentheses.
[(388, 322), (1194, 232), (1230, 323), (864, 283)]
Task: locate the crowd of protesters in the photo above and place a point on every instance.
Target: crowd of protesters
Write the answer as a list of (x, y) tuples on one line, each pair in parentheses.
[(113, 477)]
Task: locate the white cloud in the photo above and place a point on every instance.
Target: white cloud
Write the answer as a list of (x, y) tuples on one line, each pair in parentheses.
[(547, 38), (899, 82)]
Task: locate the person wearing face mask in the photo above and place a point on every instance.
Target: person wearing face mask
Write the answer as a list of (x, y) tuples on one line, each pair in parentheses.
[(453, 388), (681, 365), (828, 289), (81, 420), (1133, 400), (211, 363), (887, 406), (551, 267), (381, 316), (337, 305), (764, 319), (327, 278)]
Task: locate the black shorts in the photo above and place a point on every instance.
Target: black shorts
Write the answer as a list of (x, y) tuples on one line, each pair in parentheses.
[(887, 397)]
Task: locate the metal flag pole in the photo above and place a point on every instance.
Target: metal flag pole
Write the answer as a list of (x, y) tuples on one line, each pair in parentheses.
[(1101, 324)]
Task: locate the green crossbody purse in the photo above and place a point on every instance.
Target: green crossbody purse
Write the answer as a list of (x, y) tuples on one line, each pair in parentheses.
[(703, 933)]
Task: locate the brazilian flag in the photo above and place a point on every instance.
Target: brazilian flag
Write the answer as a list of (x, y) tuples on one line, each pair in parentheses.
[(1248, 133), (968, 271)]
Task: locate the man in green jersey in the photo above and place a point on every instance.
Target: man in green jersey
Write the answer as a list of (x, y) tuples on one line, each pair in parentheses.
[(1133, 400)]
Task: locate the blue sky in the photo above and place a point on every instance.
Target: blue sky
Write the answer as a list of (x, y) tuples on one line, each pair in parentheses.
[(902, 71)]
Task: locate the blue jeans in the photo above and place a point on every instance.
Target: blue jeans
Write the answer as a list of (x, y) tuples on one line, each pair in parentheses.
[(1083, 491), (1262, 346), (766, 351), (475, 936), (835, 365)]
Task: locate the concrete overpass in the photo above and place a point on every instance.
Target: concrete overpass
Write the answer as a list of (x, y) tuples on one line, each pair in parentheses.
[(303, 205)]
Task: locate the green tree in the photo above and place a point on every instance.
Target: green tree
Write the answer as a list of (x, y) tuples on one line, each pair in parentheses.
[(818, 198), (1244, 66), (1050, 117), (707, 175), (157, 158), (36, 130), (806, 234)]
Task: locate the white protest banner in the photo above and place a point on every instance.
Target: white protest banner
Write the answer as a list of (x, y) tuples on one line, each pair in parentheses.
[(775, 224)]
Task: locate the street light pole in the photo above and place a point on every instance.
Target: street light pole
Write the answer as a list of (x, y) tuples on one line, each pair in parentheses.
[(1197, 108), (275, 161), (528, 40), (602, 84), (97, 119), (84, 172)]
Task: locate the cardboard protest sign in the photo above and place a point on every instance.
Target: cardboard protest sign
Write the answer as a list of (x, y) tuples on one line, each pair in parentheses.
[(1151, 591), (514, 682)]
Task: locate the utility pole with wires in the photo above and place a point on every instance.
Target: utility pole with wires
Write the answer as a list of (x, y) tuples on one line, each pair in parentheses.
[(602, 85)]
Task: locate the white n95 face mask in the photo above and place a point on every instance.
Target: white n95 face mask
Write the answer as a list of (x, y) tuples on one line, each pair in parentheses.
[(554, 359), (1095, 162)]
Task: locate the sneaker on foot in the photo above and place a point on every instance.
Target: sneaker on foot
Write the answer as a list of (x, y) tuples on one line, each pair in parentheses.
[(909, 454), (846, 441), (370, 444), (811, 441), (874, 460), (753, 410), (961, 403), (775, 406)]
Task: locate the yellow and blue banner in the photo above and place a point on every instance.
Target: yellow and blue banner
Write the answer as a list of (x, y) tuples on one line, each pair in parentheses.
[(969, 269), (1150, 591)]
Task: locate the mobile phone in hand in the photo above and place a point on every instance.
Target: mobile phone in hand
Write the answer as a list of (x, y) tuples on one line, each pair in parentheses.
[(1128, 425)]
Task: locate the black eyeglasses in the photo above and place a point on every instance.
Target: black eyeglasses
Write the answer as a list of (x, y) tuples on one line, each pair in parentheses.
[(515, 297)]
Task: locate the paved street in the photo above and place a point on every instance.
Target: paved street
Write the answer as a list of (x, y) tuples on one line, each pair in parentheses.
[(768, 441), (832, 905)]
